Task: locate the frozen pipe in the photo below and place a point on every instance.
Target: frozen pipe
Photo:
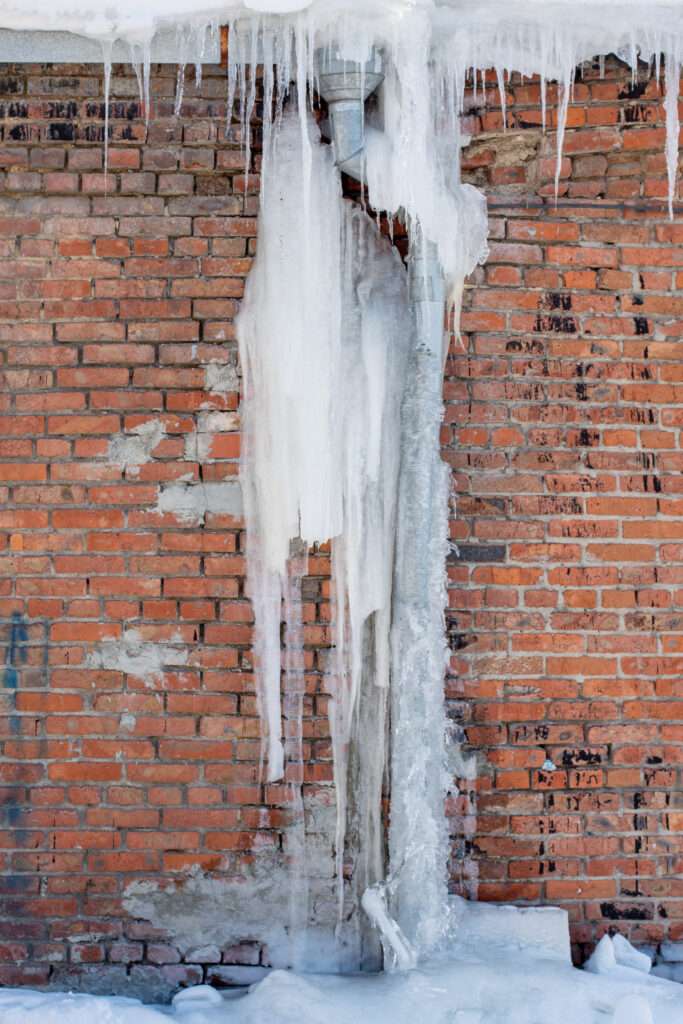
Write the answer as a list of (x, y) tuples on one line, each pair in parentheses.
[(345, 86), (417, 848), (418, 842), (398, 951)]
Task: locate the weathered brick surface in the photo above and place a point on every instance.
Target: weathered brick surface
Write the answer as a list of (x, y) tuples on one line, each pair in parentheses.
[(563, 415), (120, 393), (116, 295)]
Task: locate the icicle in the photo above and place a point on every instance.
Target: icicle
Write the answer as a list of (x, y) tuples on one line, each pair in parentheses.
[(292, 704), (250, 100), (180, 88), (242, 68), (500, 74), (146, 61), (302, 58), (672, 77), (136, 63), (562, 107), (107, 47), (232, 74)]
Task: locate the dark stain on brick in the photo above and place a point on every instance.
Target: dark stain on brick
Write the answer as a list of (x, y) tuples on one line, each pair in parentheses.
[(652, 483), (118, 111), (528, 345), (580, 756), (626, 912), (555, 324), (526, 122), (581, 392), (558, 300), (16, 884), (68, 109), (17, 108), (637, 300), (459, 641), (9, 85), (92, 133), (641, 324), (632, 90), (22, 133), (636, 415), (478, 553), (16, 652), (469, 506), (636, 113), (126, 134), (61, 132)]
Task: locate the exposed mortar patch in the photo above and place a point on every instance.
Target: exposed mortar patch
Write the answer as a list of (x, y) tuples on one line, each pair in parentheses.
[(137, 657), (133, 450), (192, 501)]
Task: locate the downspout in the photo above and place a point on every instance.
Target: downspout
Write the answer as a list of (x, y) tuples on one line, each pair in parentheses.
[(418, 849), (346, 85)]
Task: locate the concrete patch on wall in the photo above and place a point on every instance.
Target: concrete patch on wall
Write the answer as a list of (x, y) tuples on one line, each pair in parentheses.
[(209, 423), (284, 903), (206, 911), (137, 657), (221, 378), (191, 501), (130, 451)]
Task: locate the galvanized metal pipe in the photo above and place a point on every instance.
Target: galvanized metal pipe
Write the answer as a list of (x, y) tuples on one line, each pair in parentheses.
[(345, 86), (418, 846)]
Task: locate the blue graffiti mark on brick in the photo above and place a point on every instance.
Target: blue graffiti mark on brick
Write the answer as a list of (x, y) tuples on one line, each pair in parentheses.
[(16, 652)]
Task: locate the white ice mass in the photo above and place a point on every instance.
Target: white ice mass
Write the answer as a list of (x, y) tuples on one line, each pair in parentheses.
[(480, 982), (342, 355)]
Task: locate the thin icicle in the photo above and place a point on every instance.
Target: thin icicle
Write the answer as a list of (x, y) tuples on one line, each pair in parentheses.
[(179, 89), (564, 89), (107, 47), (293, 679), (672, 78)]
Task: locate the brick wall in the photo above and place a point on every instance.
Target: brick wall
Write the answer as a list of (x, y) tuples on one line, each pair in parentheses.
[(563, 428), (130, 741)]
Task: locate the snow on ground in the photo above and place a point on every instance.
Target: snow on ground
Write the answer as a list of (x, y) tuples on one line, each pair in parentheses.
[(487, 985)]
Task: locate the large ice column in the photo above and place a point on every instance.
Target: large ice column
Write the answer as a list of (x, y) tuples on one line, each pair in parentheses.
[(323, 338), (290, 350), (418, 842)]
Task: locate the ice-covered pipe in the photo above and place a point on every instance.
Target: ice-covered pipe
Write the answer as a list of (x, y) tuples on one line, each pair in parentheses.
[(418, 841), (345, 86), (418, 847), (397, 949)]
